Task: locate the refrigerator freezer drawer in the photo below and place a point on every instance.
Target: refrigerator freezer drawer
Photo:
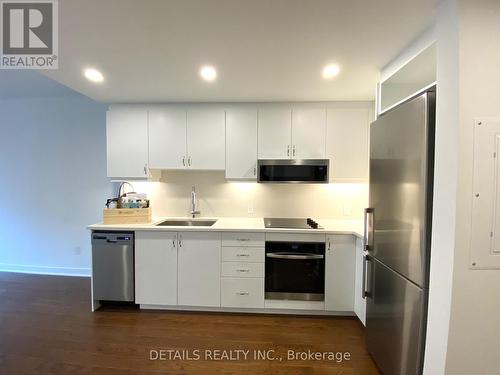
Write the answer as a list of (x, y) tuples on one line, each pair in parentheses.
[(395, 321)]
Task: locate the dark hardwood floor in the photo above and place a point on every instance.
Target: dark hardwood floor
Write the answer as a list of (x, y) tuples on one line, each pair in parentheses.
[(46, 327)]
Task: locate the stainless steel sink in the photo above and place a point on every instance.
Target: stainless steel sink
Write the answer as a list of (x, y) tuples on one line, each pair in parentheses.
[(186, 223)]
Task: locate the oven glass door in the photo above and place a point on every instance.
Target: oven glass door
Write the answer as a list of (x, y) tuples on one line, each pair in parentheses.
[(295, 271)]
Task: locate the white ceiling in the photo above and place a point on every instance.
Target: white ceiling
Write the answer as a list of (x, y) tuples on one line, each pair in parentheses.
[(264, 50)]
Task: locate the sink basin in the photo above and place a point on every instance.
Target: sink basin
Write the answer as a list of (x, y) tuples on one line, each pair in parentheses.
[(186, 223)]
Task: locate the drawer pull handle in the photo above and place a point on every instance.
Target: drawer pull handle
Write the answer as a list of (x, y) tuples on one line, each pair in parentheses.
[(243, 239), (243, 270), (242, 255), (242, 293), (284, 255)]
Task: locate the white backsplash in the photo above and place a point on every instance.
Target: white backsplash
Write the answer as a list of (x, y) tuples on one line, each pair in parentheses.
[(171, 196)]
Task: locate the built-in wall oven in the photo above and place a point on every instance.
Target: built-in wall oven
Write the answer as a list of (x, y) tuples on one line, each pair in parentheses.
[(295, 271)]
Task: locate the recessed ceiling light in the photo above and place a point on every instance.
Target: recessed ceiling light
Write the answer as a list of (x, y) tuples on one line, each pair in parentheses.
[(93, 75), (208, 73), (330, 71)]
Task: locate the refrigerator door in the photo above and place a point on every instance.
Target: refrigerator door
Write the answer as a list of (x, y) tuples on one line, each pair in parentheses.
[(401, 160), (395, 321)]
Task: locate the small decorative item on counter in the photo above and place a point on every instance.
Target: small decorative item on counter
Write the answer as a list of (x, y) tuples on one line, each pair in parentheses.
[(125, 202), (133, 203), (112, 203), (127, 216)]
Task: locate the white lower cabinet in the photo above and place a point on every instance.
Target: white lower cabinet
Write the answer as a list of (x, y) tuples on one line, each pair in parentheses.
[(199, 263), (207, 269), (242, 253), (242, 271), (243, 239), (242, 292), (359, 300), (155, 268), (237, 269), (340, 273)]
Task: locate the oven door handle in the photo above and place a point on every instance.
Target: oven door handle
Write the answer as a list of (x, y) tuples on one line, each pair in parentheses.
[(294, 256)]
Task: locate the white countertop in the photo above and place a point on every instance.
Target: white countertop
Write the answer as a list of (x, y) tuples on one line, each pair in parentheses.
[(232, 224)]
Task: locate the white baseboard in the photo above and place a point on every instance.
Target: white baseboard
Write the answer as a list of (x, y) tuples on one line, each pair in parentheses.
[(42, 270), (248, 310)]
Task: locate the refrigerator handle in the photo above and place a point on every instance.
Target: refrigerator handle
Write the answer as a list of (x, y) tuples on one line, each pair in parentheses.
[(366, 290), (368, 229)]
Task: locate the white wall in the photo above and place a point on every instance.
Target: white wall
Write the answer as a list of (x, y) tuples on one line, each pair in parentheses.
[(445, 33), (413, 49), (218, 197), (52, 182), (445, 187), (474, 339), (463, 334)]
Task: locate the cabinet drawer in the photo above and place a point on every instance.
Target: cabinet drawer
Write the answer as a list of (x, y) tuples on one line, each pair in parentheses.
[(246, 254), (243, 239), (242, 292), (234, 269)]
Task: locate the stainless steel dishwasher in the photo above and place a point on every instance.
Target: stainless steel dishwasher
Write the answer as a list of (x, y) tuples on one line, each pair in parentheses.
[(113, 266)]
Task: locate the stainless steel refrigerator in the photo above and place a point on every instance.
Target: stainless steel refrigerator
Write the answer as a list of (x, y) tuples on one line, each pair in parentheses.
[(398, 234)]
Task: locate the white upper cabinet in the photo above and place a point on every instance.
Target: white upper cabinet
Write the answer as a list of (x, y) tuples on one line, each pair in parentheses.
[(167, 138), (308, 133), (206, 139), (241, 143), (347, 140), (275, 130), (127, 143)]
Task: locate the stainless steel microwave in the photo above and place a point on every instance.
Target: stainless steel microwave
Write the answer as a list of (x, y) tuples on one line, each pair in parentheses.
[(293, 171)]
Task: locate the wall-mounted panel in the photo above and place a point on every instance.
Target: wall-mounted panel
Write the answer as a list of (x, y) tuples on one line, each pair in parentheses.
[(485, 234)]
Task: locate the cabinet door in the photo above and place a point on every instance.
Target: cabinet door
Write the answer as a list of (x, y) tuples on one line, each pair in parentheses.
[(359, 300), (167, 138), (156, 268), (127, 143), (206, 143), (241, 143), (275, 132), (347, 143), (199, 269), (339, 273), (308, 133)]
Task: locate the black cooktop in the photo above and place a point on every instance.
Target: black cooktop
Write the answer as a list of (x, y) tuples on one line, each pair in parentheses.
[(287, 223)]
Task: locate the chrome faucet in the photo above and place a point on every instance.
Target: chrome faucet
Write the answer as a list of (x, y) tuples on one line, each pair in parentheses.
[(193, 203)]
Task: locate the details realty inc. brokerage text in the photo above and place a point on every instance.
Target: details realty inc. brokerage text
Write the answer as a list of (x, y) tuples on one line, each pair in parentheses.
[(246, 355)]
